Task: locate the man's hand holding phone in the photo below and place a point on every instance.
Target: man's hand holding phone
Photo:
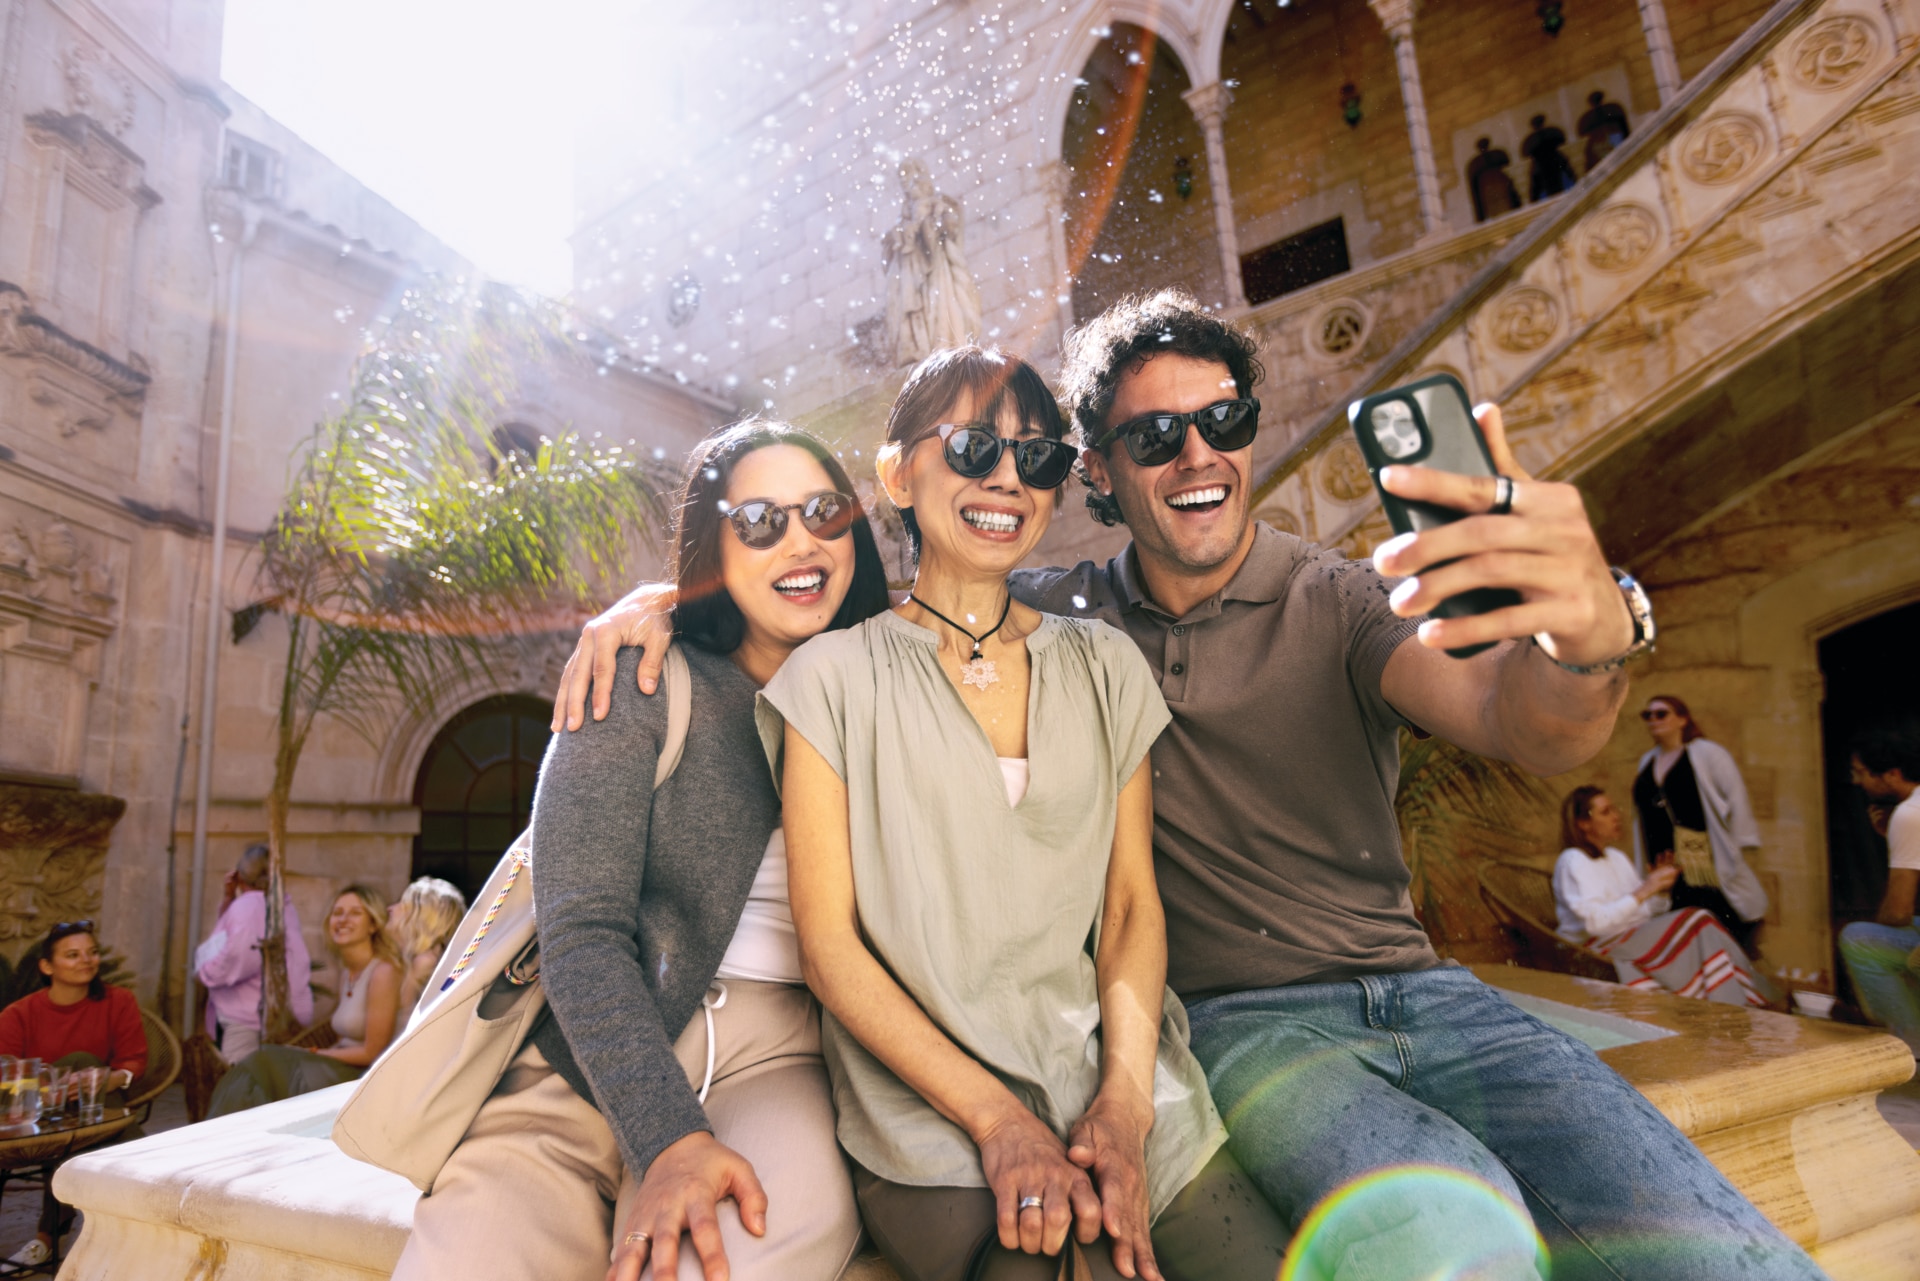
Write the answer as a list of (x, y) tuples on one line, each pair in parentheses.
[(1543, 547)]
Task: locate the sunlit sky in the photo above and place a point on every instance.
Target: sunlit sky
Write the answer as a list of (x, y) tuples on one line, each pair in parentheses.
[(460, 112)]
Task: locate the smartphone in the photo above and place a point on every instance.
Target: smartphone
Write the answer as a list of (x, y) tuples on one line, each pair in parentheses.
[(1429, 423)]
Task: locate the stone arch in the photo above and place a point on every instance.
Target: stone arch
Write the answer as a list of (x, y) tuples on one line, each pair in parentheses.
[(475, 786), (1780, 629), (1079, 42), (415, 728)]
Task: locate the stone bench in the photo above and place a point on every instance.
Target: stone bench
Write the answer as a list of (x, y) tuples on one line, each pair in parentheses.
[(1785, 1106)]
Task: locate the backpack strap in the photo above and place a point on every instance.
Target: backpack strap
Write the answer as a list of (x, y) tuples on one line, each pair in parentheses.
[(679, 683)]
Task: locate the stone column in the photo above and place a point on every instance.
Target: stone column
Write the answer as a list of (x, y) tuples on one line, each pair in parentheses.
[(1666, 68), (1397, 17), (1209, 103)]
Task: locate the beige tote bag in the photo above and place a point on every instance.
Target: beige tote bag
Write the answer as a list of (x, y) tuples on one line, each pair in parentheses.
[(414, 1104)]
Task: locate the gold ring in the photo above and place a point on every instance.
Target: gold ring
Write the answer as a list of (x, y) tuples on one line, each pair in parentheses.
[(638, 1238)]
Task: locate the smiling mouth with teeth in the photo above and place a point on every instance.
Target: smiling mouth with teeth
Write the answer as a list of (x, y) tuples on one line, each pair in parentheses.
[(992, 522), (1198, 499), (800, 583)]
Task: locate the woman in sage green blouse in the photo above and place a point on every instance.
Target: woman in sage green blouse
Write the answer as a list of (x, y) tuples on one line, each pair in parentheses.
[(968, 810)]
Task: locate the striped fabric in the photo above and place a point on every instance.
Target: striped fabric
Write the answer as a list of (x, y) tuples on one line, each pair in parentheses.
[(1687, 953)]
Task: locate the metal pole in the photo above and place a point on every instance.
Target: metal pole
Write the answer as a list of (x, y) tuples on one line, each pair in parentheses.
[(216, 585)]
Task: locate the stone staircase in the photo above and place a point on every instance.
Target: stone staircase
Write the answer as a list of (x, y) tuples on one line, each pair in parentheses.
[(1721, 294)]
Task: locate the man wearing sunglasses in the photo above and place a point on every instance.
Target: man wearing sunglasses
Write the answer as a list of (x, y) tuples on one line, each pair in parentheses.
[(1341, 1051)]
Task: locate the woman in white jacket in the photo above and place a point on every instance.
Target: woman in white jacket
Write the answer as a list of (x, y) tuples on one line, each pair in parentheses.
[(1693, 809), (1605, 903)]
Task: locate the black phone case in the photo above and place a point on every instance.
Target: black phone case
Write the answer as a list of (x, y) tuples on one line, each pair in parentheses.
[(1450, 441)]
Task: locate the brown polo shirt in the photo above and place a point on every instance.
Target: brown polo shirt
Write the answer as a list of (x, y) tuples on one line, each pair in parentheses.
[(1275, 840)]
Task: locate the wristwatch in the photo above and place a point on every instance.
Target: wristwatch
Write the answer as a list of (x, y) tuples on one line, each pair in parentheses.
[(1640, 609)]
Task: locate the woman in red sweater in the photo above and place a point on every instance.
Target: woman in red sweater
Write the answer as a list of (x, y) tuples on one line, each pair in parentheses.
[(75, 1021)]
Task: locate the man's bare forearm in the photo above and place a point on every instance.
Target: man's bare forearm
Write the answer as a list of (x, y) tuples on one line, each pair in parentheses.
[(1549, 720)]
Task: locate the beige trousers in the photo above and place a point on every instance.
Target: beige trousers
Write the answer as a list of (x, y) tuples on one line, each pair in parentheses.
[(536, 1190)]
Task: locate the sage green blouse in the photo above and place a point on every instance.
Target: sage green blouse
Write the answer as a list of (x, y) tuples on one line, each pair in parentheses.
[(987, 914)]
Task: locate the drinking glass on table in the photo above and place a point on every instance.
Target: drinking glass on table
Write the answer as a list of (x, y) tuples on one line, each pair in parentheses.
[(54, 1080), (86, 1087), (25, 1104)]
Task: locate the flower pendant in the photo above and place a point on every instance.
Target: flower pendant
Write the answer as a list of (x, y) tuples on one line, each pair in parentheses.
[(979, 673)]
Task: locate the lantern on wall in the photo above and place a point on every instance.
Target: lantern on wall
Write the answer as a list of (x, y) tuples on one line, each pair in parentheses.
[(1551, 19), (1183, 176), (1350, 105)]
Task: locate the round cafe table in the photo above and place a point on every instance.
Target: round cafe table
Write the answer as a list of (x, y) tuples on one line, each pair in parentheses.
[(35, 1149)]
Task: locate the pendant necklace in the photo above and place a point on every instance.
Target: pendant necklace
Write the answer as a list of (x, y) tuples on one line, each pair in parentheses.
[(978, 671)]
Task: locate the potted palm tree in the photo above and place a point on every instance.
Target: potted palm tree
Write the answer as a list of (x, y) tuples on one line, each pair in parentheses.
[(415, 541)]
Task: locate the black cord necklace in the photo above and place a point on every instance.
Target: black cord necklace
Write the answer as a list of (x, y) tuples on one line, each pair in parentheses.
[(977, 640)]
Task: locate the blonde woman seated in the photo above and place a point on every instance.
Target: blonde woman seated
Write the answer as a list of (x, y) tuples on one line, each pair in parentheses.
[(1605, 903), (421, 921), (364, 1021), (969, 818)]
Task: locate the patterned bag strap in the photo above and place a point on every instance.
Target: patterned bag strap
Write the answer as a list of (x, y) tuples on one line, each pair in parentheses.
[(522, 856)]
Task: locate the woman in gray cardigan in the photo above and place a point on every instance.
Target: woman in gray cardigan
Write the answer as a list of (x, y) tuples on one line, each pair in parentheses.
[(1694, 811), (675, 1086)]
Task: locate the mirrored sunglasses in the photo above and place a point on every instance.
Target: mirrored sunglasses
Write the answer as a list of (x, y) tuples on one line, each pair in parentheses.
[(973, 450), (1155, 439), (761, 523)]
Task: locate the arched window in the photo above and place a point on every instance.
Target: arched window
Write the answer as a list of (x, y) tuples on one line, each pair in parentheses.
[(475, 788)]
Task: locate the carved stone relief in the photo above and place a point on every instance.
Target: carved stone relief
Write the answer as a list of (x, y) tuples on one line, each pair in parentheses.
[(78, 385), (98, 89), (1281, 519), (1833, 53), (1620, 237), (1848, 143), (1344, 474), (55, 567), (1723, 148), (1784, 195), (1525, 319), (53, 859), (1341, 330)]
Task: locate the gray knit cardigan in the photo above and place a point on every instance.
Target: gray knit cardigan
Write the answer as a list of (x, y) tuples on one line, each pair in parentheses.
[(637, 892)]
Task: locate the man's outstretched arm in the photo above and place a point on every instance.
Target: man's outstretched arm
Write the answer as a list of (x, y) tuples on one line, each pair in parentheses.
[(1513, 702)]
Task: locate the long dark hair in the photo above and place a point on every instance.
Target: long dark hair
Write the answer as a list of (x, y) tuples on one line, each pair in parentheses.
[(1689, 731), (987, 374), (1575, 810), (706, 615), (97, 986)]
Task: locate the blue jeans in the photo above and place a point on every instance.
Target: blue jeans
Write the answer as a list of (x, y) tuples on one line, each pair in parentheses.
[(1876, 957), (1389, 1089)]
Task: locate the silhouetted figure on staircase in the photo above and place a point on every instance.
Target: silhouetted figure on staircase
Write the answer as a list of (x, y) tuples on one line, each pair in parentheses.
[(1552, 173), (1493, 192), (1604, 127)]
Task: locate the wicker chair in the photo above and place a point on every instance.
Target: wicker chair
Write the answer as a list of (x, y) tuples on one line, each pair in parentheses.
[(164, 1061), (205, 1067), (1521, 898)]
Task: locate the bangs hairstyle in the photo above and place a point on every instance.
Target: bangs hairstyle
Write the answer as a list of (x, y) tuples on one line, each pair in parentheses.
[(1575, 810), (706, 615), (1126, 336), (987, 376), (1689, 731)]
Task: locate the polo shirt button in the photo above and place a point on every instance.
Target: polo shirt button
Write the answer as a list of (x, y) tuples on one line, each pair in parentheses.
[(1178, 668), (1179, 629)]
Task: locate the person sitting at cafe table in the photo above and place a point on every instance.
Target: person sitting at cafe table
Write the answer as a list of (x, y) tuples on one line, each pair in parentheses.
[(76, 1021)]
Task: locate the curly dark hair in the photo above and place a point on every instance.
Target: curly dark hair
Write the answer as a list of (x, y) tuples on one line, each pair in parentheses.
[(1124, 337), (1888, 744)]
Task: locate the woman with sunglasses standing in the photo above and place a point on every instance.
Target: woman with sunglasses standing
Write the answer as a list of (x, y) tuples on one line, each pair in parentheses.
[(969, 812), (674, 1086), (1693, 810)]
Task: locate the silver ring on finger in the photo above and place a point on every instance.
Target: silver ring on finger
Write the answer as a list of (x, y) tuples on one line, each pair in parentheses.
[(1031, 1203), (638, 1238), (1502, 496)]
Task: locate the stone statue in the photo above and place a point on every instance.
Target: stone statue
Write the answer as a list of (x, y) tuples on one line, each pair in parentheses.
[(931, 298), (1552, 173), (1604, 127), (16, 553), (1493, 192)]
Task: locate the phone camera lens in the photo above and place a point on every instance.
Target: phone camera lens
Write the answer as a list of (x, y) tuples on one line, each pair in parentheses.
[(1395, 429)]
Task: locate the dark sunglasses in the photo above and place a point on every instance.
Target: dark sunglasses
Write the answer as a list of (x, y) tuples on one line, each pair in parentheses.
[(761, 523), (974, 449), (1154, 439), (1655, 714)]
